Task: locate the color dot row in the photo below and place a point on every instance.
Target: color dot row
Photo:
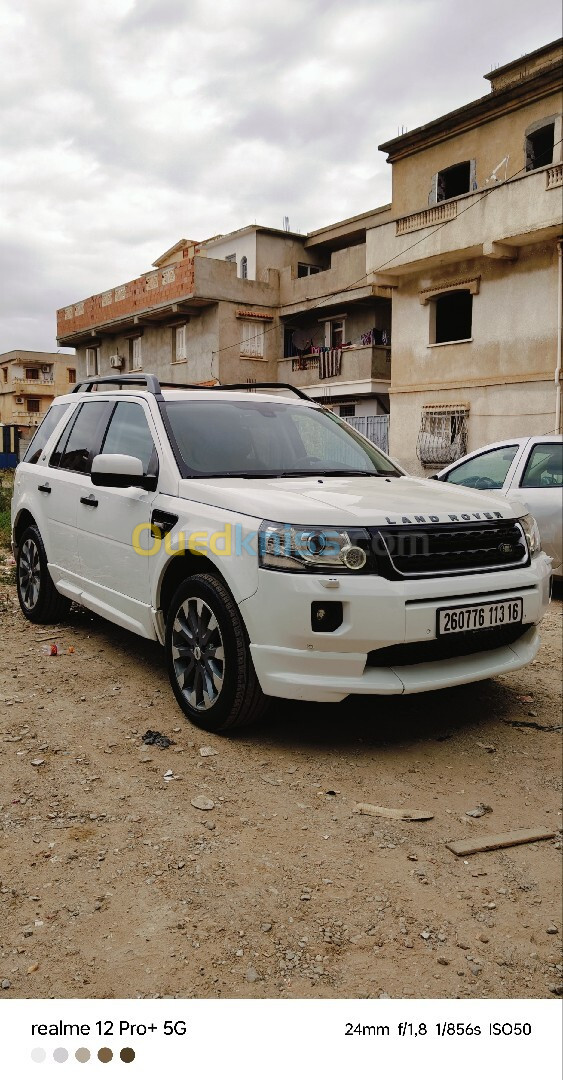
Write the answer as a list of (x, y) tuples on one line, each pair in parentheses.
[(82, 1054)]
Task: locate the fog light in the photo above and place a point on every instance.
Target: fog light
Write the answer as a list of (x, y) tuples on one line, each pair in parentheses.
[(326, 617), (353, 557)]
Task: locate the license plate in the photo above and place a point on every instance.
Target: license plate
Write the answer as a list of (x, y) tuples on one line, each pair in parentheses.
[(455, 620)]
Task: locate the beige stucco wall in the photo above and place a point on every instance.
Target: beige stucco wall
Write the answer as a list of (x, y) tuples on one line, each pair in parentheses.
[(514, 326), (505, 373), (487, 144), (495, 412), (279, 251)]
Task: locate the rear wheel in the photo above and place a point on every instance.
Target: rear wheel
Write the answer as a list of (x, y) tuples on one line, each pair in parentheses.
[(208, 657), (39, 600)]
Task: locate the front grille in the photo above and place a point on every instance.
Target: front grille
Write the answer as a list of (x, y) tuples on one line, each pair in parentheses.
[(446, 648), (420, 550)]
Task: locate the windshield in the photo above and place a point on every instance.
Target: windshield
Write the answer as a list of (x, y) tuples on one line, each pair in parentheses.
[(262, 438)]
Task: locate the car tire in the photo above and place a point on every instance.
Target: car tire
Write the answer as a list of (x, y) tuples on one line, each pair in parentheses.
[(39, 600), (208, 657)]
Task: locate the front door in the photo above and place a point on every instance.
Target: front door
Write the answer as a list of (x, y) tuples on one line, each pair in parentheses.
[(60, 484)]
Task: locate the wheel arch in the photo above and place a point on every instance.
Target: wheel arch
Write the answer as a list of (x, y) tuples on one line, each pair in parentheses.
[(180, 567), (24, 518)]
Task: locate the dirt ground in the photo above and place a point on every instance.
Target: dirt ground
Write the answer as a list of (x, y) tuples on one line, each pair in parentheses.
[(114, 885)]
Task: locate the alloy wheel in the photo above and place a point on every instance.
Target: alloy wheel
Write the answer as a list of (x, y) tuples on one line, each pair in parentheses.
[(29, 574), (198, 654)]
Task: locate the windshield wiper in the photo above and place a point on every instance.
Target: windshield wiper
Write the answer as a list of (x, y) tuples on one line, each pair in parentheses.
[(286, 474), (334, 472)]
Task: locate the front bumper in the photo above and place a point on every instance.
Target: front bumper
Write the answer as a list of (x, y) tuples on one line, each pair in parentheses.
[(292, 661)]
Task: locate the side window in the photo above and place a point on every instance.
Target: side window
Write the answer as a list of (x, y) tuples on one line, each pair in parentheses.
[(486, 471), (81, 438), (129, 433), (43, 433), (544, 468)]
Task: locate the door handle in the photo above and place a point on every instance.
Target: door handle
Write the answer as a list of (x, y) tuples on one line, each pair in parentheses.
[(44, 487), (89, 500)]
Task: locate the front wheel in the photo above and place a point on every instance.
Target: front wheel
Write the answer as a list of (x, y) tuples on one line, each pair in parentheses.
[(208, 657), (39, 600)]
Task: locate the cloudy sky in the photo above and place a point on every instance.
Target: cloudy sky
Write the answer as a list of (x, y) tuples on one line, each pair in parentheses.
[(126, 124)]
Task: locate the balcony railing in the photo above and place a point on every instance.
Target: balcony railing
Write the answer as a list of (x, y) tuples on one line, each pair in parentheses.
[(33, 384), (433, 216), (516, 212), (554, 176), (359, 363)]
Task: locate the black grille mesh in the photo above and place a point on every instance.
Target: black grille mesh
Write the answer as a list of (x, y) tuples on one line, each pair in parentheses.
[(411, 551)]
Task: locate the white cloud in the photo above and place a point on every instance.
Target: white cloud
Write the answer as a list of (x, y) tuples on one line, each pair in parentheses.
[(128, 123)]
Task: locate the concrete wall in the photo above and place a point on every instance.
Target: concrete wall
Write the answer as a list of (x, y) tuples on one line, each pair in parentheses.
[(278, 252), (514, 325), (505, 373), (487, 144), (213, 339), (495, 412), (512, 213), (365, 406), (263, 250), (243, 244), (348, 266)]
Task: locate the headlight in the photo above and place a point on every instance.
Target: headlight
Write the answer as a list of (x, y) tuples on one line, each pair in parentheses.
[(314, 549), (532, 533)]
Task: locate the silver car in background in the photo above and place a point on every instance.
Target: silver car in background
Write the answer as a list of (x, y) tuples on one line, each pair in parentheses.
[(532, 470)]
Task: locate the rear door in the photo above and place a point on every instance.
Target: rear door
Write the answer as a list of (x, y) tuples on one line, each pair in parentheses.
[(114, 525)]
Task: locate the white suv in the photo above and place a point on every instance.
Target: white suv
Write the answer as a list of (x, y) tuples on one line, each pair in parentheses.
[(269, 547)]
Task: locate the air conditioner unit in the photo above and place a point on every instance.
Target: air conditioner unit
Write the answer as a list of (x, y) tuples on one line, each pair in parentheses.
[(18, 400), (116, 361), (45, 368)]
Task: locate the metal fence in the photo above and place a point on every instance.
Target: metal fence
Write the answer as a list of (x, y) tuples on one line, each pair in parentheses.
[(375, 428)]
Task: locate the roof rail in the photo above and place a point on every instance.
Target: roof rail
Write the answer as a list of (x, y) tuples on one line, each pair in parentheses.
[(154, 386), (149, 381), (238, 386)]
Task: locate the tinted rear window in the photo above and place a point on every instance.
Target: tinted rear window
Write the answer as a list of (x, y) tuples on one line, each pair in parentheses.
[(44, 432)]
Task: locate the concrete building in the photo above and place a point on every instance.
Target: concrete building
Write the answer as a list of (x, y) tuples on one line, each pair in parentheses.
[(206, 312), (29, 381), (458, 279), (257, 304), (471, 254), (337, 325)]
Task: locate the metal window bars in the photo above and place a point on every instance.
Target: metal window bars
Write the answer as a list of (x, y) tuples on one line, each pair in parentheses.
[(442, 438)]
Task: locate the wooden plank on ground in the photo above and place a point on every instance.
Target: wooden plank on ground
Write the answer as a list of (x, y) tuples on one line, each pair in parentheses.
[(397, 815), (501, 840)]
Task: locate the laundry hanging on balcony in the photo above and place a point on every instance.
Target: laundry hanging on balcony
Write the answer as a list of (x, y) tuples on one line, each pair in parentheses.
[(330, 362), (376, 337)]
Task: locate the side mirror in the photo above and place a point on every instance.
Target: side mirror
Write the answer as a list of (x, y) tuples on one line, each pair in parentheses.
[(120, 471)]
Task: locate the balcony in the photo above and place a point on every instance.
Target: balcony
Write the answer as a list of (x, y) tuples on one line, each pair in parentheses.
[(361, 365), (494, 222), (554, 176), (344, 283), (35, 387), (425, 218)]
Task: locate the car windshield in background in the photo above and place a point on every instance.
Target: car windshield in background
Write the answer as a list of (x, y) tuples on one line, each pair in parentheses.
[(271, 439)]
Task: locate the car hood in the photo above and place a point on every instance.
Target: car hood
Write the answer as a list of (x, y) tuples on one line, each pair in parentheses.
[(349, 500)]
